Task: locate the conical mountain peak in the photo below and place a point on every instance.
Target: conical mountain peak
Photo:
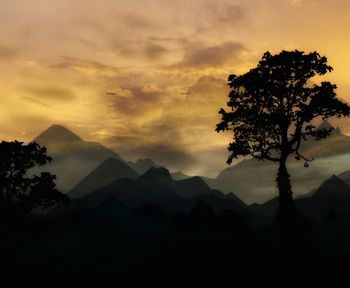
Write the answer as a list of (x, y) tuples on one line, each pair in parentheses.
[(334, 187), (57, 134), (325, 125)]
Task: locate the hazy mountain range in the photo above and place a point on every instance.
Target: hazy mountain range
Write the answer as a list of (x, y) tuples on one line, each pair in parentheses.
[(91, 171), (124, 212), (73, 157), (254, 181)]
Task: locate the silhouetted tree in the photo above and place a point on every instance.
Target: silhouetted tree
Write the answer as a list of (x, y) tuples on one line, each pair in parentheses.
[(17, 188), (271, 108)]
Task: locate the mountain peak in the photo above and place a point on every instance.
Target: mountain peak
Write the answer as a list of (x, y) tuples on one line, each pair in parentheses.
[(110, 170), (57, 134), (159, 173), (334, 187), (142, 165), (325, 125)]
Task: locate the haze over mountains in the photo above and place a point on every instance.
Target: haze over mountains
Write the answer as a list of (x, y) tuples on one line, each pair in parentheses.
[(83, 167), (73, 157), (125, 212), (110, 170), (331, 197), (254, 181)]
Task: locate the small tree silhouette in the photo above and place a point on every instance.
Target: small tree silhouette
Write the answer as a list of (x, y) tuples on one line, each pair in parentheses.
[(272, 106), (16, 188)]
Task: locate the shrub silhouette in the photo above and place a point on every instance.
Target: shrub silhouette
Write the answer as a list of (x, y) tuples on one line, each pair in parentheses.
[(17, 189), (271, 109)]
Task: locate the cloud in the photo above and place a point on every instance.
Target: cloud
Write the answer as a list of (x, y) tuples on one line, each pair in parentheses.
[(138, 21), (154, 51), (132, 100), (226, 14), (8, 52), (86, 66), (294, 2), (50, 92), (215, 56)]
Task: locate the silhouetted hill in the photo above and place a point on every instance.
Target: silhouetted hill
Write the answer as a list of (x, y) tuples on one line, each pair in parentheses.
[(155, 188), (254, 181), (332, 190), (202, 223), (134, 193), (202, 211), (267, 208), (73, 157), (333, 194), (345, 176), (235, 198), (186, 188), (179, 176), (150, 210), (194, 186), (142, 165), (110, 170), (159, 173)]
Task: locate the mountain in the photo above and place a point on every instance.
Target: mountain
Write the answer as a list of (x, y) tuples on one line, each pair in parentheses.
[(179, 176), (331, 195), (203, 223), (345, 176), (186, 188), (134, 194), (73, 157), (333, 190), (160, 173), (156, 188), (110, 170), (142, 165), (254, 181), (58, 137), (193, 186), (268, 208)]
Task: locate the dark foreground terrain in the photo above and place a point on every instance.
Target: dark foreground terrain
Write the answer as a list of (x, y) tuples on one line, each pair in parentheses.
[(114, 246)]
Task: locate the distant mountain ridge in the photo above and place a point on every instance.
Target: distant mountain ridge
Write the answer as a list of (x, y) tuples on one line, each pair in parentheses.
[(73, 157), (179, 176), (82, 167), (157, 188), (142, 165), (332, 195), (110, 170), (254, 181)]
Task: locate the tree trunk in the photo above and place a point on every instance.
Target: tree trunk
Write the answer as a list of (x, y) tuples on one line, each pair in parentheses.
[(287, 216), (285, 190)]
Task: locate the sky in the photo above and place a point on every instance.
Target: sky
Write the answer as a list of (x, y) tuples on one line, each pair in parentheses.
[(147, 77)]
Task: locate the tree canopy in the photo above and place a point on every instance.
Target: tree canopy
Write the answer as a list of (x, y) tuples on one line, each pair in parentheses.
[(271, 111), (17, 187), (273, 104)]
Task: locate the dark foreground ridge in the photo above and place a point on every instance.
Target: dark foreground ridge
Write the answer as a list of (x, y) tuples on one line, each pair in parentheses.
[(111, 242)]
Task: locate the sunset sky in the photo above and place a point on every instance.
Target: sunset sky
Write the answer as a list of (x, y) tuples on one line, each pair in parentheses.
[(147, 77)]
